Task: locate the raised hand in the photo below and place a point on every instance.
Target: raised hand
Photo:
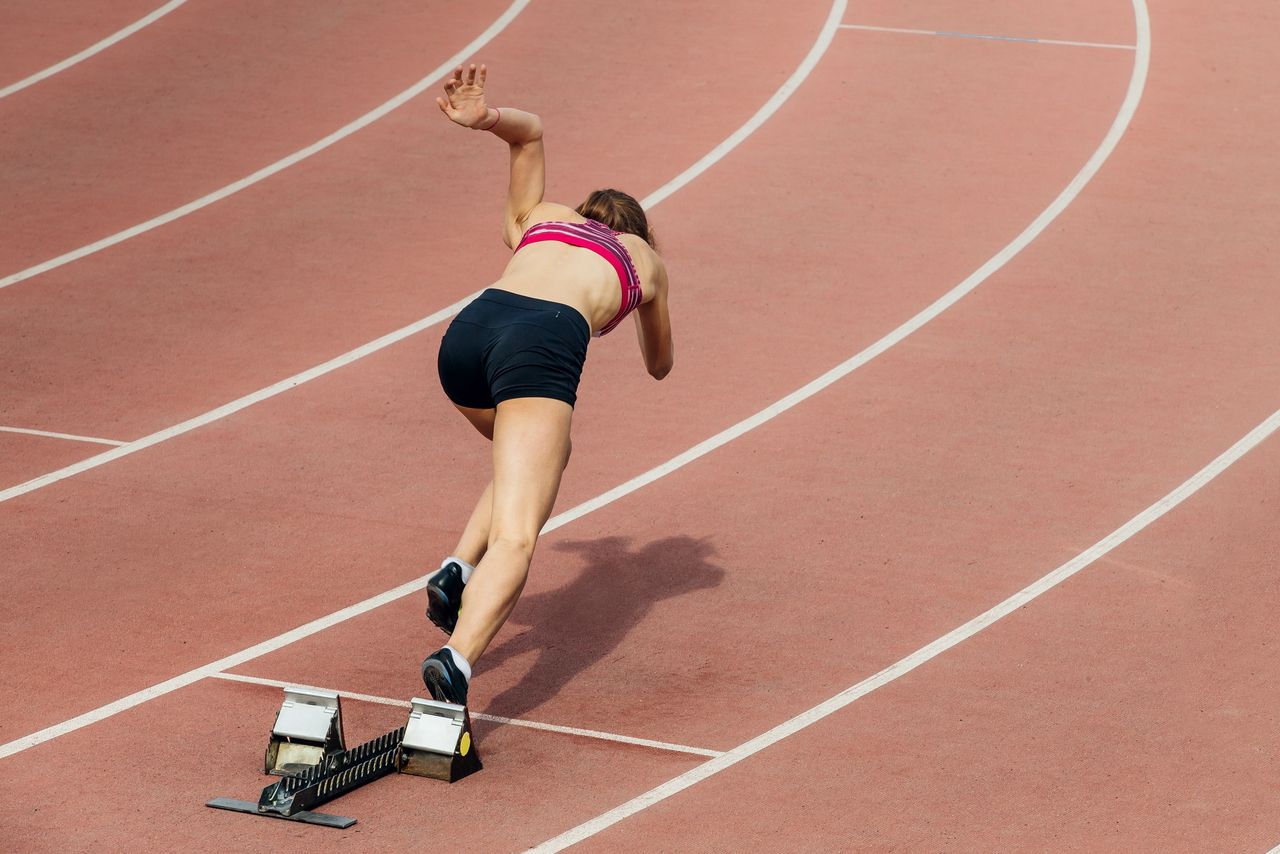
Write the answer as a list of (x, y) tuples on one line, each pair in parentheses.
[(464, 98)]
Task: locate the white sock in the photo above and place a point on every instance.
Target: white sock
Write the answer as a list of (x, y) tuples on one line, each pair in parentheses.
[(467, 568), (461, 662)]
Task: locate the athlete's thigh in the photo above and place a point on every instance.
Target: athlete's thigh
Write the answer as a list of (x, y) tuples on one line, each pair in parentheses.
[(530, 449), (481, 419)]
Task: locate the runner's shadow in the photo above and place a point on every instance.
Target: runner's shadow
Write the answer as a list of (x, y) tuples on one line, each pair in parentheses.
[(578, 624)]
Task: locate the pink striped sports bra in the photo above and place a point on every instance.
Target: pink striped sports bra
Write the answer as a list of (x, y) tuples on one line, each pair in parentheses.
[(603, 241)]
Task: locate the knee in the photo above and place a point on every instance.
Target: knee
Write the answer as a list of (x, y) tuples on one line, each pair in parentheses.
[(513, 542)]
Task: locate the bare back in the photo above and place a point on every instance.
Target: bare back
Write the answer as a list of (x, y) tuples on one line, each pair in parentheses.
[(575, 276)]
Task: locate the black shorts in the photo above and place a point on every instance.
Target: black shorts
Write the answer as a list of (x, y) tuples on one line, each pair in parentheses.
[(505, 345)]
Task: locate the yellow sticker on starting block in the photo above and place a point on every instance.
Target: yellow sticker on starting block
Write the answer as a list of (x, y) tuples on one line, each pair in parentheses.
[(464, 746)]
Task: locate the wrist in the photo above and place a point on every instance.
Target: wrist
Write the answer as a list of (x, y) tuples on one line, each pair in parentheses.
[(492, 116)]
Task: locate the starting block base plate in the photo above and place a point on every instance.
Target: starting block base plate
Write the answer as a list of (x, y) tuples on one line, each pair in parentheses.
[(321, 818)]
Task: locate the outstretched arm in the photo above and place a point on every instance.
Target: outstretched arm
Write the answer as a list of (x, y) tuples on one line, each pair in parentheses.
[(653, 327), (465, 104)]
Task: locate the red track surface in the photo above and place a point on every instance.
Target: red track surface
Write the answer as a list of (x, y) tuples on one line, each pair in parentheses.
[(1131, 708), (203, 97), (37, 36)]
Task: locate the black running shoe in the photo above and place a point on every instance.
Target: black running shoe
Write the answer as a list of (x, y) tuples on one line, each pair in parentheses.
[(443, 678), (444, 596)]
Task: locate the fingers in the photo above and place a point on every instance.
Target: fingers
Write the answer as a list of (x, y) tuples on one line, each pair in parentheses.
[(467, 76), (455, 80), (455, 87)]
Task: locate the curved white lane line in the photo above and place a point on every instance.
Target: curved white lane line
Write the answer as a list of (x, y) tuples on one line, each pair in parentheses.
[(731, 142), (235, 405), (788, 88), (925, 653), (1137, 82), (298, 156), (213, 668), (117, 36)]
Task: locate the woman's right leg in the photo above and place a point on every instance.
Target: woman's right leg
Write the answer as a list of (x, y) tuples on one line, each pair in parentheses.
[(530, 449), (474, 541)]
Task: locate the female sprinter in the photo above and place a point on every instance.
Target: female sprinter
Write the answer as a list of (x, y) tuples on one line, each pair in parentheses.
[(510, 362)]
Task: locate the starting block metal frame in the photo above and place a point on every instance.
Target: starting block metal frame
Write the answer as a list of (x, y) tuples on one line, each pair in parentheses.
[(436, 742), (307, 731)]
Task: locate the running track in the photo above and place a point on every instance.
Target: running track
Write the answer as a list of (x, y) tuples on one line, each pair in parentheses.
[(1131, 707)]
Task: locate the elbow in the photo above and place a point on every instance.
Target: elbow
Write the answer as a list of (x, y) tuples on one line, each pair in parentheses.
[(660, 371)]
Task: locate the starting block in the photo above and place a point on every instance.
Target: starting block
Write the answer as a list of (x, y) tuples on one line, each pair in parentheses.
[(436, 742), (308, 730)]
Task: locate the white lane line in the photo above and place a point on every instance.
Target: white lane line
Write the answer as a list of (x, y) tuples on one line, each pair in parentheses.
[(277, 683), (538, 725), (1137, 83), (1104, 45), (71, 436), (117, 36), (770, 107), (762, 115), (235, 405), (985, 37), (321, 623), (267, 171), (606, 736), (925, 653), (1127, 109)]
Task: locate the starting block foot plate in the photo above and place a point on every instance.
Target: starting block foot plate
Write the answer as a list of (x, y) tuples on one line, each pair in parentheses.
[(437, 742), (307, 732), (320, 818)]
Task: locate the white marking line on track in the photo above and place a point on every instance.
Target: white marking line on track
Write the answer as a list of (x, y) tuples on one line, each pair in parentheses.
[(235, 405), (538, 725), (70, 436), (788, 88), (117, 36), (770, 107), (280, 165), (1109, 142), (606, 736), (925, 653), (322, 623), (1137, 83), (985, 37)]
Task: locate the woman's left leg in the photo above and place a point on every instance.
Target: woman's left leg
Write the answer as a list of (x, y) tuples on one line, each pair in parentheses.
[(474, 541), (475, 536)]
